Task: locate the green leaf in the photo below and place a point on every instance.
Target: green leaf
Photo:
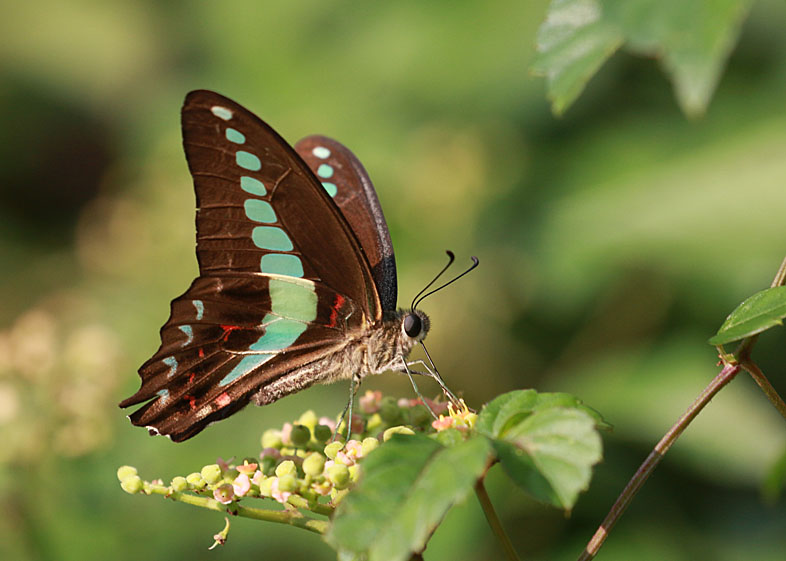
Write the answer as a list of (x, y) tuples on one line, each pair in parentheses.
[(691, 39), (408, 485), (510, 408), (551, 453), (758, 313), (546, 443), (572, 44)]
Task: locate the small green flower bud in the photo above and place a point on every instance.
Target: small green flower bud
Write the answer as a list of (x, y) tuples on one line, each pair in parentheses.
[(132, 484), (338, 475), (125, 471), (368, 445), (286, 467), (196, 481), (300, 436), (309, 419), (419, 415), (287, 483), (354, 473), (271, 438), (266, 487), (313, 464), (401, 429), (337, 495), (389, 410), (375, 422), (333, 448), (449, 437), (267, 465), (211, 473), (179, 484), (322, 433)]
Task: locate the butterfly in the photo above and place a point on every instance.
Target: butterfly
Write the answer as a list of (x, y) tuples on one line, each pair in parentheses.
[(297, 277)]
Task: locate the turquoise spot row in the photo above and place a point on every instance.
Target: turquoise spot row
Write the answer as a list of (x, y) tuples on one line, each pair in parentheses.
[(270, 238), (235, 136), (189, 332), (253, 186), (171, 362), (260, 211), (282, 264), (325, 170), (321, 152), (247, 160), (293, 304), (221, 112)]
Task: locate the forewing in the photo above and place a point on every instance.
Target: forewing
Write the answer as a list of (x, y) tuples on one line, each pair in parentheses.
[(260, 208)]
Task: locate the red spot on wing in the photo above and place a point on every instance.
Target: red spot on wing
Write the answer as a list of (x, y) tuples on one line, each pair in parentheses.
[(201, 352), (191, 400), (227, 330), (191, 377), (223, 400), (338, 301)]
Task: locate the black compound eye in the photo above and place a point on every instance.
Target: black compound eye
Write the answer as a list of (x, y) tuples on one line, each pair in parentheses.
[(412, 325)]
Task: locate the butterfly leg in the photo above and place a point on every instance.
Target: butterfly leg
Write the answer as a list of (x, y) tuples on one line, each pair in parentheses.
[(415, 386), (437, 378)]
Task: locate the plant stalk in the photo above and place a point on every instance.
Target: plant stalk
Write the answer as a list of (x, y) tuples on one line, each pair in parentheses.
[(493, 520), (725, 376), (765, 385), (291, 517)]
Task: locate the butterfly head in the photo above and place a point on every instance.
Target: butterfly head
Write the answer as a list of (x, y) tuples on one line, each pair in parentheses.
[(415, 325)]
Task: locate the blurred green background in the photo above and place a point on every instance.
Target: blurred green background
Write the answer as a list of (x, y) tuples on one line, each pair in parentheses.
[(613, 242)]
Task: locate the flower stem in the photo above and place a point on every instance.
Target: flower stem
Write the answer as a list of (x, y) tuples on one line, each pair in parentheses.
[(292, 517), (493, 520), (726, 375)]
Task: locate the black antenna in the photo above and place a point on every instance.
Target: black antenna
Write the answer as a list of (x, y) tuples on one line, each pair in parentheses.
[(451, 258), (475, 263)]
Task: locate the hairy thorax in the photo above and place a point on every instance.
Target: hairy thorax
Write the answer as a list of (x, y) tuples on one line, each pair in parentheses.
[(381, 347)]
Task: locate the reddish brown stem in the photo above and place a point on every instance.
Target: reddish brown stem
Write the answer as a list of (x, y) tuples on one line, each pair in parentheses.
[(645, 470)]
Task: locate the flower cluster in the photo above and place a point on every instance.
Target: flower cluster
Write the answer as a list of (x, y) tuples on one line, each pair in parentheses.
[(303, 464), (459, 418)]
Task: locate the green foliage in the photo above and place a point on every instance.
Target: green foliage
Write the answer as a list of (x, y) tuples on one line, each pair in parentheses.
[(547, 443), (755, 314), (409, 485), (387, 493), (692, 40)]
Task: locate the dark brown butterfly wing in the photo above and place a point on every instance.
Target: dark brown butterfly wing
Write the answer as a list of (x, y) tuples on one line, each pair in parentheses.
[(261, 209), (283, 280)]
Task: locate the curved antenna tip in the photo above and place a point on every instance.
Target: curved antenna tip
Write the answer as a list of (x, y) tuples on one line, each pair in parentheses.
[(421, 296)]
